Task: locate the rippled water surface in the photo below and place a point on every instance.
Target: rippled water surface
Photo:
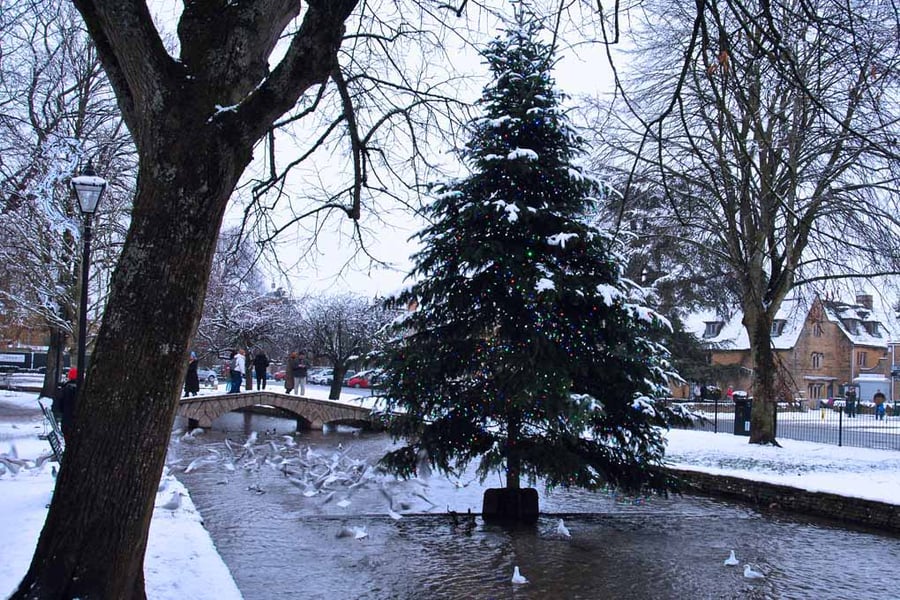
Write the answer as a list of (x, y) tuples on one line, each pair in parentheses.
[(279, 543)]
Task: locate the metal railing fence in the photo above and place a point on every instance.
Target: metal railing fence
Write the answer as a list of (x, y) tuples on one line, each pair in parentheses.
[(859, 427)]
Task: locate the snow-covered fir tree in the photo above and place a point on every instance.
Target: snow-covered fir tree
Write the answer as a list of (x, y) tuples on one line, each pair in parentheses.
[(521, 348)]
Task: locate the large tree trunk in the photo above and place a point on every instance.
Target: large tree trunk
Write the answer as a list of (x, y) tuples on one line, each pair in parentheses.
[(93, 543), (513, 457), (337, 382), (762, 414), (54, 362), (192, 152)]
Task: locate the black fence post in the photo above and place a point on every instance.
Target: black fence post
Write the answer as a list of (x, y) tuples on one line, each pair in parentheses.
[(716, 415), (840, 426)]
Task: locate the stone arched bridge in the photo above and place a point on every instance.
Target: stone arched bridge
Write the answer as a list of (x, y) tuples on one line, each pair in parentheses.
[(201, 411)]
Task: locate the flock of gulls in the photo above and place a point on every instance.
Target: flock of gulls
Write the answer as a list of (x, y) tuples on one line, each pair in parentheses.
[(326, 476), (330, 477)]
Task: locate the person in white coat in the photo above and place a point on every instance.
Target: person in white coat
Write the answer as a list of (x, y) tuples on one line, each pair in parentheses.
[(238, 368)]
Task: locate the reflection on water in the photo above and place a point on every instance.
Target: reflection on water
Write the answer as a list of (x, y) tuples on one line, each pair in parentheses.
[(279, 543)]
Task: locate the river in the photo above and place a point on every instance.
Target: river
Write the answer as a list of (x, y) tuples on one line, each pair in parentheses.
[(282, 538)]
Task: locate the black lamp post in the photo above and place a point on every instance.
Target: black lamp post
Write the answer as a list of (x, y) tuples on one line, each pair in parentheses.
[(88, 188)]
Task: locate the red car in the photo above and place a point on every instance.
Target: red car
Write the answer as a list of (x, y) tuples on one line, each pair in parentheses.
[(279, 375), (364, 379)]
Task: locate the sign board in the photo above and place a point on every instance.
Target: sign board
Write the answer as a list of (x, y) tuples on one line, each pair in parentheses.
[(15, 360), (226, 354)]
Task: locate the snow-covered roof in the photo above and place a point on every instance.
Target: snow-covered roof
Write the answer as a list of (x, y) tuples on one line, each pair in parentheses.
[(733, 334), (793, 311), (844, 315)]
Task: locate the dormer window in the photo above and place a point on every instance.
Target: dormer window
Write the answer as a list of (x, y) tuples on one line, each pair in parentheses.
[(852, 325), (713, 328), (778, 327), (872, 328)]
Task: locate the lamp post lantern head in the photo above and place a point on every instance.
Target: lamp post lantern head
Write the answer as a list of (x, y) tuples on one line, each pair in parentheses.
[(88, 188)]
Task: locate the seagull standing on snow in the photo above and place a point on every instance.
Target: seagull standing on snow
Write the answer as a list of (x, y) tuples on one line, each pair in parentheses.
[(731, 560), (518, 577), (749, 573), (173, 503), (562, 530)]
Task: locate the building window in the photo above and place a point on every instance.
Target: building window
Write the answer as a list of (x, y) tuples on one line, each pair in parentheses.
[(818, 331), (860, 359), (713, 328), (816, 390), (872, 328), (777, 327), (816, 359)]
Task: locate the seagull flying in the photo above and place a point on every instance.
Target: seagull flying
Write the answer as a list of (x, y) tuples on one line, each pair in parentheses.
[(518, 577), (731, 560)]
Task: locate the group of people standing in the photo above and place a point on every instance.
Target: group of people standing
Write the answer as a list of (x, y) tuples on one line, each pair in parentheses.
[(295, 372), (239, 366)]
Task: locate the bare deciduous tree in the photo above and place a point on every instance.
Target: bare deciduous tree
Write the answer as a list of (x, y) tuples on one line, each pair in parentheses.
[(770, 128), (58, 111), (342, 329), (240, 310)]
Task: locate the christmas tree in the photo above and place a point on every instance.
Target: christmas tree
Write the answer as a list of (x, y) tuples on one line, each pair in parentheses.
[(521, 347)]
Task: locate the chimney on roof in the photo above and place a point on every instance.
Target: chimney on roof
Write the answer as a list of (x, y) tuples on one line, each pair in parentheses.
[(864, 300)]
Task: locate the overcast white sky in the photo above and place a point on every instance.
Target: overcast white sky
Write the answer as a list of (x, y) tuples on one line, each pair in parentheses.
[(336, 266), (575, 75)]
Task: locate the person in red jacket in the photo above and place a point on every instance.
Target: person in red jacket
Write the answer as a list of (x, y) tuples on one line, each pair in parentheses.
[(65, 400)]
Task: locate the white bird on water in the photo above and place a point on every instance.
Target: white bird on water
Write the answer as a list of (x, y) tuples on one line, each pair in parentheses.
[(750, 573), (731, 560), (518, 577), (562, 530)]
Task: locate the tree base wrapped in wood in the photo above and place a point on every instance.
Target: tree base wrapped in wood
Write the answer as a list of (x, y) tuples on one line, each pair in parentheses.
[(519, 505)]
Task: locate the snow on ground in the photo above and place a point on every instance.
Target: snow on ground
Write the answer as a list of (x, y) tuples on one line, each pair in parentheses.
[(843, 470), (182, 562)]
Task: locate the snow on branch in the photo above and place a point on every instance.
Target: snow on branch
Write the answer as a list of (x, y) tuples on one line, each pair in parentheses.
[(525, 153), (560, 239), (511, 209)]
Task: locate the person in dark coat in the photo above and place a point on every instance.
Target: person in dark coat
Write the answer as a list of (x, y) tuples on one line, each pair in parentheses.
[(65, 401), (289, 372), (260, 364), (191, 380)]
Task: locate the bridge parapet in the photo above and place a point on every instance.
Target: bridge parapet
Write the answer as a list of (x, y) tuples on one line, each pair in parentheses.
[(201, 411)]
